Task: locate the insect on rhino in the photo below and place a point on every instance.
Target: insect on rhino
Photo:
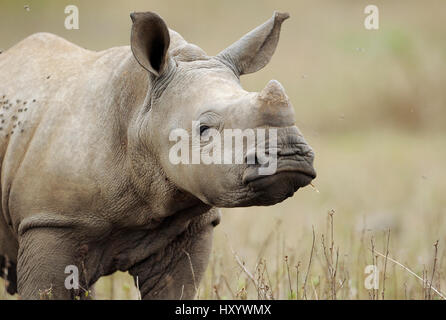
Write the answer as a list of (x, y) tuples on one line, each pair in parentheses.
[(86, 178)]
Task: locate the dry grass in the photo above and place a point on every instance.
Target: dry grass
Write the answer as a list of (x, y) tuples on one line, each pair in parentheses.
[(398, 210), (369, 200)]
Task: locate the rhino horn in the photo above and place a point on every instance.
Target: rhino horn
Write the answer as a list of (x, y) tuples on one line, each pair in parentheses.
[(274, 94), (254, 50)]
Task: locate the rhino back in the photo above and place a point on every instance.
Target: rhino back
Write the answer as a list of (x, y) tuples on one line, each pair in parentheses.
[(64, 120)]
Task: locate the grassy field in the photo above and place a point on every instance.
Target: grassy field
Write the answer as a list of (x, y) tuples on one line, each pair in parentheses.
[(373, 106), (370, 184)]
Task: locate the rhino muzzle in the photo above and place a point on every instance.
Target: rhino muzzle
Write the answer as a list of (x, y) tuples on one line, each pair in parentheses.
[(294, 167)]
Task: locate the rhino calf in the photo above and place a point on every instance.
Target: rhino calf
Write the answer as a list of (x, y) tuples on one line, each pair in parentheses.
[(86, 178)]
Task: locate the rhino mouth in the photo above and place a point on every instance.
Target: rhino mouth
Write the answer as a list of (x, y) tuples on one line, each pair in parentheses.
[(295, 165), (294, 171), (272, 189), (251, 174), (294, 158)]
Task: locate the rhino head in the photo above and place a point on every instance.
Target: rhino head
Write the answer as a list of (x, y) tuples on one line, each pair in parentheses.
[(202, 96)]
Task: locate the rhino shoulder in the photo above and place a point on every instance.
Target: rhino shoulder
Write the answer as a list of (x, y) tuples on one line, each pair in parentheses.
[(50, 40), (42, 36), (43, 46)]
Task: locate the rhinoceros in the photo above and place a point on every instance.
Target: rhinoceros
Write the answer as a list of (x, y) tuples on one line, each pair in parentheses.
[(86, 179)]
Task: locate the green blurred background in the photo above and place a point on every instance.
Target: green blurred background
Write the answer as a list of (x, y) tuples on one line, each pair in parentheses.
[(372, 103)]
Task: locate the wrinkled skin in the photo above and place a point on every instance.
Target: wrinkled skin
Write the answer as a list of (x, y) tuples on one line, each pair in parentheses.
[(84, 141)]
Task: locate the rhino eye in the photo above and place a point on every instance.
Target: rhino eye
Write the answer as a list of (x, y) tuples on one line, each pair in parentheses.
[(203, 129)]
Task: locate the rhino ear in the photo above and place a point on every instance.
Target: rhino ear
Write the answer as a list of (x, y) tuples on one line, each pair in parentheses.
[(254, 50), (149, 41)]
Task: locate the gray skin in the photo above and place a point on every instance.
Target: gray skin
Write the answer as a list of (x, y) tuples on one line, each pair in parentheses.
[(84, 143)]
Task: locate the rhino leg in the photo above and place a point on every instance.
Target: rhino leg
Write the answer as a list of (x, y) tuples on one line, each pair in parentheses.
[(8, 272), (175, 272), (44, 253)]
